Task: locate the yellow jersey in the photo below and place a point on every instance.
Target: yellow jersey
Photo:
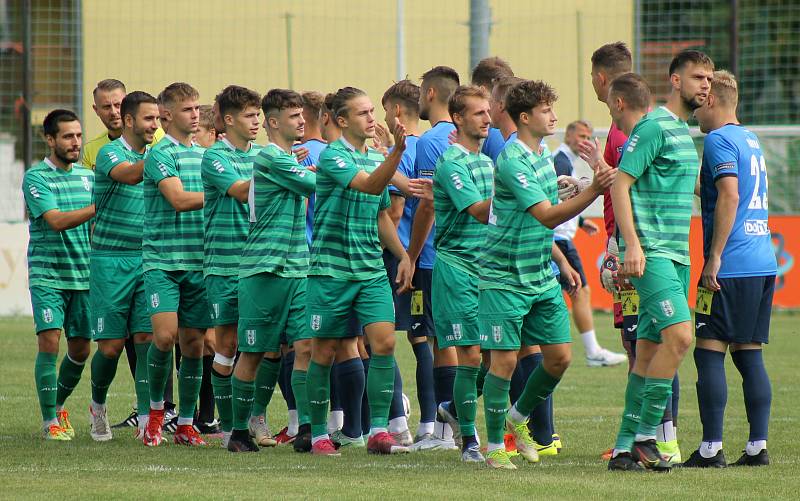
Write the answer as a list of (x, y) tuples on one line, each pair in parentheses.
[(92, 148)]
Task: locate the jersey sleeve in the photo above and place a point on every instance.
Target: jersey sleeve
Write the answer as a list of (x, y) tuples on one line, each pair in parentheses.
[(457, 184), (159, 166), (721, 156), (285, 171), (643, 147), (218, 172), (525, 187), (340, 167), (38, 195), (109, 157), (562, 164), (406, 168), (386, 200)]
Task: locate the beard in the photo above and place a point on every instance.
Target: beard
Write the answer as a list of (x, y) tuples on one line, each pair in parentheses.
[(66, 156), (423, 114), (692, 102)]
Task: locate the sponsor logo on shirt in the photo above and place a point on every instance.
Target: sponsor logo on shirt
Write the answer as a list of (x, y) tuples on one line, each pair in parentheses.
[(756, 227), (725, 166), (163, 169), (426, 172), (753, 143)]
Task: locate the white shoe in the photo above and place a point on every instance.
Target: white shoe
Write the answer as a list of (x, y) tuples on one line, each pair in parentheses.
[(226, 436), (403, 438), (605, 358), (434, 443), (260, 432), (100, 429)]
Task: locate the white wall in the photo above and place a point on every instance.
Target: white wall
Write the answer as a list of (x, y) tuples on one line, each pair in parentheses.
[(14, 296)]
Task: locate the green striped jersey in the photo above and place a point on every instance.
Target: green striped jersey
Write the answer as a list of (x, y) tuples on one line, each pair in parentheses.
[(224, 217), (461, 179), (172, 240), (346, 244), (57, 259), (518, 247), (277, 241), (120, 207), (661, 155)]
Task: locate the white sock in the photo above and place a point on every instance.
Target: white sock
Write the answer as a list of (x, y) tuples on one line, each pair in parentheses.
[(314, 440), (665, 432), (424, 428), (157, 405), (59, 408), (48, 424), (447, 431), (492, 447), (97, 407), (590, 343), (516, 416), (644, 438), (294, 425), (335, 421), (398, 425), (375, 431), (143, 420), (438, 430), (753, 448), (710, 449), (617, 452), (182, 421)]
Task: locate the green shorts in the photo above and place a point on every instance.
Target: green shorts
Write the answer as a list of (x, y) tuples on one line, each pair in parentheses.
[(455, 306), (61, 309), (663, 297), (509, 319), (223, 299), (331, 301), (270, 306), (181, 292), (119, 303)]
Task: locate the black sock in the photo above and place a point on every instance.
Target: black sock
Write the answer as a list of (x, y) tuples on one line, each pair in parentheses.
[(396, 409), (757, 391), (426, 396), (443, 380), (712, 392), (285, 380), (350, 376), (365, 416), (205, 411)]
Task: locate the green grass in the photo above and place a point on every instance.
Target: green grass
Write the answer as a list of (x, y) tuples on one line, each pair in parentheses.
[(587, 415)]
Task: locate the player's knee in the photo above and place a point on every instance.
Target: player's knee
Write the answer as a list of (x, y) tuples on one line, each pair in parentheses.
[(382, 345), (79, 351), (558, 364), (48, 340), (111, 350), (678, 338), (302, 351)]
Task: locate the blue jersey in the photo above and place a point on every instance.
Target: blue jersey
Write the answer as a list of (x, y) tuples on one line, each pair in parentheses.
[(314, 147), (732, 150), (493, 144), (406, 168), (429, 148)]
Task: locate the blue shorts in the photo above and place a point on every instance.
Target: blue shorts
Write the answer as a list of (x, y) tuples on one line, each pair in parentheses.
[(402, 302), (738, 313), (420, 308), (571, 253)]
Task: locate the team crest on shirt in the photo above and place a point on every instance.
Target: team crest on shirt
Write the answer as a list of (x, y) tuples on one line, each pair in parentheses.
[(154, 300), (667, 308), (523, 181), (497, 333), (457, 181), (457, 332), (316, 322), (251, 336), (86, 185), (101, 324), (47, 315)]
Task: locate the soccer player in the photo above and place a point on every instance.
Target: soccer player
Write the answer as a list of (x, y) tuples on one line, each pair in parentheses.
[(738, 279), (227, 169), (346, 270), (58, 199), (485, 74), (653, 197), (520, 301), (566, 155), (172, 256), (118, 302), (463, 184), (108, 96), (500, 117), (438, 84), (401, 102), (274, 262), (206, 131)]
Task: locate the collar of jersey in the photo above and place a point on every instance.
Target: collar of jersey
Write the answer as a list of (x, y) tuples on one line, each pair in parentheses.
[(176, 142), (463, 149), (52, 165), (673, 115), (347, 144), (234, 148)]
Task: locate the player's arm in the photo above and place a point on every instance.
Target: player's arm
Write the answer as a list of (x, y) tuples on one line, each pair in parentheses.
[(285, 171), (60, 221), (456, 183), (375, 182), (240, 190), (387, 233), (111, 162), (161, 169), (723, 158), (217, 172), (566, 269), (42, 202), (395, 210), (424, 214)]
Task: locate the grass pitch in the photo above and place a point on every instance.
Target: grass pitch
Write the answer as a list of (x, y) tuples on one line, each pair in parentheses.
[(588, 405)]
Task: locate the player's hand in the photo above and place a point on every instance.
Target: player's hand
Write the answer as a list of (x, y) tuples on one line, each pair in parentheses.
[(709, 275), (312, 168), (421, 188), (399, 136), (572, 277), (589, 151), (570, 187), (633, 265), (589, 227), (453, 136), (609, 271), (603, 177), (301, 153), (383, 135), (405, 272)]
